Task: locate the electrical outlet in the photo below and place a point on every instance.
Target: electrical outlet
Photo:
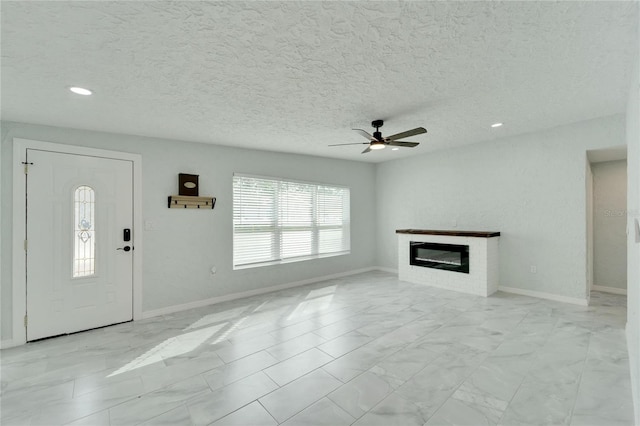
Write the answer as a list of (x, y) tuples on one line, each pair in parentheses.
[(534, 269)]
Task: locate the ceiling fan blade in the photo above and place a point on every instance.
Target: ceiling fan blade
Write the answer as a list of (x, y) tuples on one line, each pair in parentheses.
[(365, 134), (405, 144), (355, 143), (366, 150), (416, 131)]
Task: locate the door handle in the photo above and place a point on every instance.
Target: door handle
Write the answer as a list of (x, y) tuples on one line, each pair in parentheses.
[(125, 248)]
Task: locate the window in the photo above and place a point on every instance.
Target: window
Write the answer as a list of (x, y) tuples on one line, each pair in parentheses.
[(277, 221), (84, 234)]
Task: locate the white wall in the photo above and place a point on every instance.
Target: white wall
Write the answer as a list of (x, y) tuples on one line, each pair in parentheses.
[(633, 239), (185, 244), (589, 195), (531, 188), (610, 224), (5, 241)]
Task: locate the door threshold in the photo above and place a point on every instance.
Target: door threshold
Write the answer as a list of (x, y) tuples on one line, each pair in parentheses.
[(77, 332)]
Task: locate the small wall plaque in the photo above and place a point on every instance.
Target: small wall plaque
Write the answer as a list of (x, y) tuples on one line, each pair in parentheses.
[(188, 185)]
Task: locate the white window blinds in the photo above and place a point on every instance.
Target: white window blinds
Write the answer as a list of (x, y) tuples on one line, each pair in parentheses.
[(276, 220)]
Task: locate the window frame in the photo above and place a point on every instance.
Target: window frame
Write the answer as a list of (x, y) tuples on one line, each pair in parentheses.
[(276, 229)]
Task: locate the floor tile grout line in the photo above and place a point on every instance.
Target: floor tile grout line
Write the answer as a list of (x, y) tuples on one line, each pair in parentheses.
[(151, 392), (267, 411), (584, 366), (288, 383), (502, 414), (522, 382)]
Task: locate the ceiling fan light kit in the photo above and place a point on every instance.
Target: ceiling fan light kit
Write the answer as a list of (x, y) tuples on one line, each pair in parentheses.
[(377, 141)]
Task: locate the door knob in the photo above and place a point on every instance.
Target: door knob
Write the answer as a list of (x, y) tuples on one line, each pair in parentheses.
[(125, 248)]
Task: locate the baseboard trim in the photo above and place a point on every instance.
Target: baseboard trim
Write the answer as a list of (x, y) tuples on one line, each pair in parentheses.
[(612, 290), (234, 296), (9, 343), (543, 295), (389, 270)]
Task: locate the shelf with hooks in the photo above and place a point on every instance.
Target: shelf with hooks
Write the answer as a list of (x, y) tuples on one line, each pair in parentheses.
[(191, 202)]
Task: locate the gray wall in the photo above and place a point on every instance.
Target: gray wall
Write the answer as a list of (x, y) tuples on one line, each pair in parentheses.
[(610, 224), (184, 245), (531, 188)]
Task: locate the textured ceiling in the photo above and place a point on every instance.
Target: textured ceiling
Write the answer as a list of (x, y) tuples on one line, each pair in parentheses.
[(296, 76)]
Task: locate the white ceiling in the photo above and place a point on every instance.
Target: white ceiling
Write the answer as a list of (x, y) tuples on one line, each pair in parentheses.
[(296, 76)]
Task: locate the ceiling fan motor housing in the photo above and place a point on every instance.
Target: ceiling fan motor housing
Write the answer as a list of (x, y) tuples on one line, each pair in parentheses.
[(377, 134)]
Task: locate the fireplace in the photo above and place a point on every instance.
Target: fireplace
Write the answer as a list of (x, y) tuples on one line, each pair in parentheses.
[(451, 257), (441, 258)]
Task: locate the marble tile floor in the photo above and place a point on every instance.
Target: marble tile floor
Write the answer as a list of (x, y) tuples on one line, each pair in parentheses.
[(362, 350)]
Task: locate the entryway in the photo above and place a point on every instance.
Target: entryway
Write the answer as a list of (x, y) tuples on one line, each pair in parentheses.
[(608, 220), (81, 266)]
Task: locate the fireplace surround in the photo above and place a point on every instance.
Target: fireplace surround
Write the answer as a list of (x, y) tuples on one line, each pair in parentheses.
[(464, 261)]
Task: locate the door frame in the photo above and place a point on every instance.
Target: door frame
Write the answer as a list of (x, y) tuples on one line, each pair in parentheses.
[(19, 285)]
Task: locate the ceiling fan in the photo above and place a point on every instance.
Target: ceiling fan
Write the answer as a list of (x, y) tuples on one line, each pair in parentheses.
[(377, 141)]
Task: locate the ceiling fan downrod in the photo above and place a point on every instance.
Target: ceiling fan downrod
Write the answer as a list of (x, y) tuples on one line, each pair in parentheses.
[(377, 134), (379, 142)]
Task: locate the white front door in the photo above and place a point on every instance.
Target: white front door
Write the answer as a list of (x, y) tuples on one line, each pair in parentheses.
[(79, 271)]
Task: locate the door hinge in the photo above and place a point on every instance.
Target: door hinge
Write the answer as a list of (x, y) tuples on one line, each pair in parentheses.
[(26, 166), (26, 244), (26, 321)]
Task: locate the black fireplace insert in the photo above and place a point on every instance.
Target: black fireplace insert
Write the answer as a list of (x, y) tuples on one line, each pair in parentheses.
[(451, 257)]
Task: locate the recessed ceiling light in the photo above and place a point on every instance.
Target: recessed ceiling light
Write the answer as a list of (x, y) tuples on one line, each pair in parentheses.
[(496, 125), (80, 91), (395, 149)]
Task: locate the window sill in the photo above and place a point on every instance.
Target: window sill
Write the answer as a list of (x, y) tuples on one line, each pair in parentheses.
[(289, 260)]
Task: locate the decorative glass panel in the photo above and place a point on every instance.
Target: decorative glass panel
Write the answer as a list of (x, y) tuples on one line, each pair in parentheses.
[(84, 232)]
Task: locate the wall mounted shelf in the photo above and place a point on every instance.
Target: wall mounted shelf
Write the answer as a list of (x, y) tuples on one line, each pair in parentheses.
[(191, 202)]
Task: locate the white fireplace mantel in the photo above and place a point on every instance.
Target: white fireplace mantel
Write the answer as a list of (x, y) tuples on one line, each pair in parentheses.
[(482, 278)]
